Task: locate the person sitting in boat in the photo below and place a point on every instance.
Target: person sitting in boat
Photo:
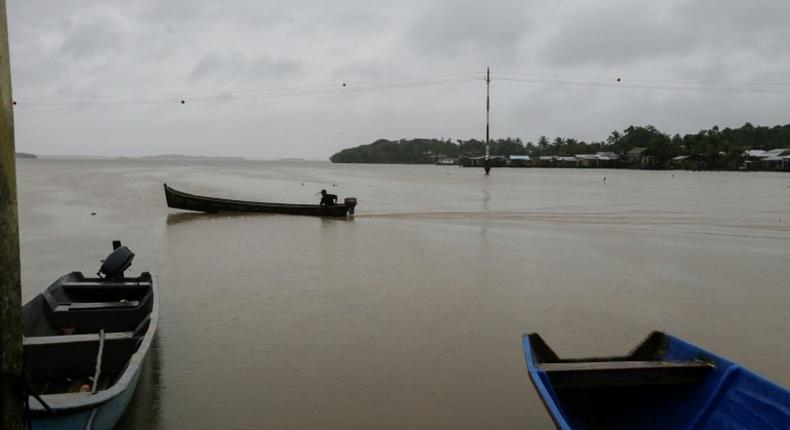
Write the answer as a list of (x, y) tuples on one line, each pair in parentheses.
[(328, 199)]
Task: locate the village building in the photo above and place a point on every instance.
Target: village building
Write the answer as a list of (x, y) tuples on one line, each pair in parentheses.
[(587, 160), (640, 158), (759, 159), (496, 161), (520, 161)]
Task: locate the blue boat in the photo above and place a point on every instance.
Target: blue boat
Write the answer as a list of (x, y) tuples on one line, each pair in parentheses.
[(664, 383), (85, 339)]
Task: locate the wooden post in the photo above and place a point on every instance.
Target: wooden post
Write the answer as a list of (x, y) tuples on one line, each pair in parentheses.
[(487, 161), (488, 105), (11, 397)]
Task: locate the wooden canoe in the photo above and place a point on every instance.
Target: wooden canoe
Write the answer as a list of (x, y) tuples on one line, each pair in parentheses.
[(664, 383), (85, 339), (181, 200)]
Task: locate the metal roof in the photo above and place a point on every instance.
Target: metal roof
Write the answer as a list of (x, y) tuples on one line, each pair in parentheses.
[(755, 153), (777, 152)]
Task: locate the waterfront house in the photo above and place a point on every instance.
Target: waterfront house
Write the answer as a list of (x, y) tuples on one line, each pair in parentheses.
[(681, 162), (520, 161), (634, 156), (759, 159), (751, 158), (775, 159), (587, 160), (496, 161), (772, 162), (779, 152), (607, 159), (566, 161), (545, 161), (446, 161), (640, 158), (687, 162)]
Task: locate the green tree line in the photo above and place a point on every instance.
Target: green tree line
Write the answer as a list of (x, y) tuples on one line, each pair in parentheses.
[(721, 148)]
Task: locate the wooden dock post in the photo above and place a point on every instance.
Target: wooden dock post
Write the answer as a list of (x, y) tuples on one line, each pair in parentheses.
[(11, 397)]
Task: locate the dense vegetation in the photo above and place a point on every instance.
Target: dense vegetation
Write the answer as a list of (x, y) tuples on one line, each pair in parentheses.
[(25, 155), (722, 148)]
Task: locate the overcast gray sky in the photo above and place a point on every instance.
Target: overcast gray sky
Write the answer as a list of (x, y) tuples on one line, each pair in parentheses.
[(107, 77)]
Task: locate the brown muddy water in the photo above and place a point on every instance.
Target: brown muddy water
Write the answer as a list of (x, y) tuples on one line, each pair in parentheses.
[(411, 314)]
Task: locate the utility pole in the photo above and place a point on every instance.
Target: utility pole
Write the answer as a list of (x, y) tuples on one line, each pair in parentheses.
[(487, 161), (11, 397)]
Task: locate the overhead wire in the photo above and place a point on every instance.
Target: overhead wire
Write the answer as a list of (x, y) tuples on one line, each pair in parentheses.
[(351, 87), (248, 94), (618, 82)]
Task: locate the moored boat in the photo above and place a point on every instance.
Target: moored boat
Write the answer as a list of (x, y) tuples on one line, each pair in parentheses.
[(664, 383), (85, 339), (181, 200)]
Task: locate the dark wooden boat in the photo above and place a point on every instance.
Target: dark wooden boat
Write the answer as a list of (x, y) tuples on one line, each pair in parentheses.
[(664, 383), (85, 339), (181, 200)]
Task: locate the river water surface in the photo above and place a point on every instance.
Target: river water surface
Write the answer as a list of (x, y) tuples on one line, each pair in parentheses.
[(411, 314)]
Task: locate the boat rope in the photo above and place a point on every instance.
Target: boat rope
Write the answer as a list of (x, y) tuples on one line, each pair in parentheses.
[(89, 423), (95, 388), (98, 363)]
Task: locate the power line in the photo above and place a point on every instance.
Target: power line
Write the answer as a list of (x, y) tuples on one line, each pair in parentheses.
[(636, 80), (351, 87), (737, 87), (248, 94)]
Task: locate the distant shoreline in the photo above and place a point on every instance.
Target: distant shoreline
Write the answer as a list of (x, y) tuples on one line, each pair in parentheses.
[(179, 157), (636, 147), (169, 158)]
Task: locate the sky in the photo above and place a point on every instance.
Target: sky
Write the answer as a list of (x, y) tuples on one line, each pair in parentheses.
[(269, 79)]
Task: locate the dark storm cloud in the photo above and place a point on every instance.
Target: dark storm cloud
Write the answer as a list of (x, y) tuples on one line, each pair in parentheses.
[(80, 50)]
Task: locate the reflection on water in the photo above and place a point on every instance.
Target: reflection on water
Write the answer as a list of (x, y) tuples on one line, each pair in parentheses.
[(179, 217), (182, 217), (144, 411), (411, 315)]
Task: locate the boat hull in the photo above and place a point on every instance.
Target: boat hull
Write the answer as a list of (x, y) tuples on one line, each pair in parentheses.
[(727, 396), (128, 308), (181, 200), (102, 417)]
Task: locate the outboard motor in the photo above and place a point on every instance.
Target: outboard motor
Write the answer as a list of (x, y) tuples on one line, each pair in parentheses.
[(351, 203), (117, 262)]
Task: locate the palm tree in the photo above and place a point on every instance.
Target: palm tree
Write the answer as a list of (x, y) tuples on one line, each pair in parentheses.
[(613, 137), (543, 145), (557, 142)]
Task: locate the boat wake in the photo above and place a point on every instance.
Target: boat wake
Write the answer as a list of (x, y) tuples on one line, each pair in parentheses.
[(623, 219)]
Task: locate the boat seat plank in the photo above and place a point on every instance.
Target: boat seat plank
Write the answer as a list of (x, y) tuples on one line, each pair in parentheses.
[(75, 338), (625, 373), (65, 307)]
